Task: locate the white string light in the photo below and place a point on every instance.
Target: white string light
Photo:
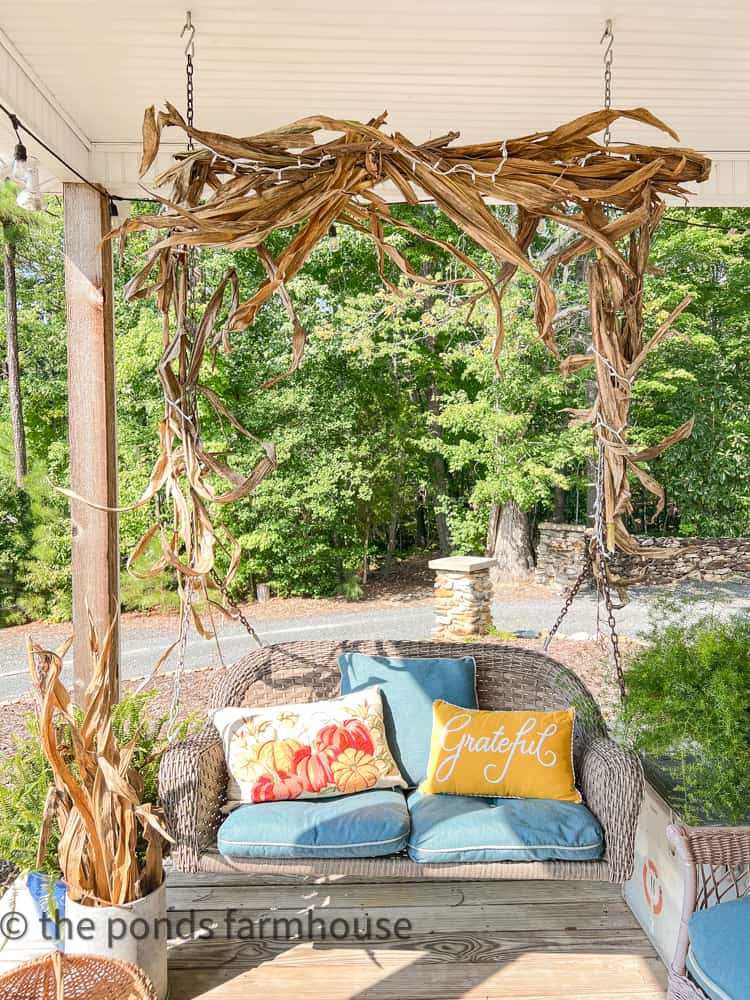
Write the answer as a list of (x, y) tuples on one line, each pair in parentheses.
[(31, 198), (612, 370), (602, 425), (256, 166), (242, 163)]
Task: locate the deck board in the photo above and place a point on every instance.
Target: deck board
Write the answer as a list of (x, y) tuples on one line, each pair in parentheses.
[(489, 940)]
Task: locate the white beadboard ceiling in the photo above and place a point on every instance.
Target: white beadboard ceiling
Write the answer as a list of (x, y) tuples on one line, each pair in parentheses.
[(81, 71)]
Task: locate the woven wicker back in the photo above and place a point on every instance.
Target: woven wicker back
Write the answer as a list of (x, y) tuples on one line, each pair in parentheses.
[(508, 677)]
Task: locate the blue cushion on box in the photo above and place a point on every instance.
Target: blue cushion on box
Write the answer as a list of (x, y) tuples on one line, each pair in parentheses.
[(719, 959), (362, 825), (408, 687), (463, 828)]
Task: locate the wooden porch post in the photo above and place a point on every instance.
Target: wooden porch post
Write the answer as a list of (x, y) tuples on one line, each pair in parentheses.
[(92, 426)]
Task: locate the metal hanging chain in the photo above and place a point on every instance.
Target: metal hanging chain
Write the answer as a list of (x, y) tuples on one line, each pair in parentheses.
[(603, 589), (598, 542), (187, 312), (571, 596), (588, 566), (174, 707), (603, 582), (235, 606), (190, 252), (599, 495), (609, 37), (190, 320), (189, 90)]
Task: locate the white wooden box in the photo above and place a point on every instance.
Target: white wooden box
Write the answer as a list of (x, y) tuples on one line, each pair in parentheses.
[(654, 893)]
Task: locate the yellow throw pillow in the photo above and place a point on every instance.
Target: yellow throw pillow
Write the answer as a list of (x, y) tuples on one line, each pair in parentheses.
[(526, 755)]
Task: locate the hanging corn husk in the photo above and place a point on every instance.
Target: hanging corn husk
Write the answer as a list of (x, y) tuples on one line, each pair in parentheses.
[(96, 796), (235, 192)]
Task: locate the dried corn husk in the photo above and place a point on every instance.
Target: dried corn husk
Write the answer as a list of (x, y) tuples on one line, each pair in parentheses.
[(96, 797), (236, 191)]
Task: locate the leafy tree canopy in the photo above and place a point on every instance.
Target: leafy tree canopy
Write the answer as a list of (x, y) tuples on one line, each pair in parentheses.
[(397, 417)]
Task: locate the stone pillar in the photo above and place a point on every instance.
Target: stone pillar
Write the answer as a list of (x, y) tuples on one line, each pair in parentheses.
[(463, 595)]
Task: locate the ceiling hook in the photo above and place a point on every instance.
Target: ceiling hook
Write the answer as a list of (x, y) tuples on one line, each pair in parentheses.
[(189, 26)]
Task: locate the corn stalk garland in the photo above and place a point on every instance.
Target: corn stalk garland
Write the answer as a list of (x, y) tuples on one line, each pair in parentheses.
[(96, 795), (235, 192)]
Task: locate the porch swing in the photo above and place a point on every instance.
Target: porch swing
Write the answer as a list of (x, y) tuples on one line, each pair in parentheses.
[(606, 195)]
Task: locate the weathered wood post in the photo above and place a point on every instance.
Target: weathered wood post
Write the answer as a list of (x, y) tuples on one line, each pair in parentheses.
[(92, 426)]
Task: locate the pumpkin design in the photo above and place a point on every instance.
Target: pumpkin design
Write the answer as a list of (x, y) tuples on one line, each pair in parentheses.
[(246, 738), (245, 764), (268, 789), (279, 754), (350, 734), (312, 769), (354, 771)]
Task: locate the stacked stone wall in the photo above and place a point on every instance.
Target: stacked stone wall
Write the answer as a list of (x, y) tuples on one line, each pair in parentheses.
[(561, 549)]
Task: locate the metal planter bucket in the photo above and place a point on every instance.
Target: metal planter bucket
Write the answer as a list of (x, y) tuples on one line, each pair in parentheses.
[(135, 932)]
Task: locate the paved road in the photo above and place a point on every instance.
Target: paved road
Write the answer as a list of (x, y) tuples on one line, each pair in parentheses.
[(140, 651)]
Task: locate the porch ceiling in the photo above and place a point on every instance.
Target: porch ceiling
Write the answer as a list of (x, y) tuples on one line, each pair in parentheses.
[(80, 72)]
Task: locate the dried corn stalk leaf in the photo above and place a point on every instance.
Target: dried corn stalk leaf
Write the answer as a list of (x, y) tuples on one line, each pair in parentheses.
[(234, 192), (96, 796)]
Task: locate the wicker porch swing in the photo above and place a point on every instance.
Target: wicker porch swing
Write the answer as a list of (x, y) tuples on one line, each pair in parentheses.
[(232, 192)]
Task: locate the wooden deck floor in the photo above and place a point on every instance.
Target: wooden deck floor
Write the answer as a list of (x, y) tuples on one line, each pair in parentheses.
[(520, 940)]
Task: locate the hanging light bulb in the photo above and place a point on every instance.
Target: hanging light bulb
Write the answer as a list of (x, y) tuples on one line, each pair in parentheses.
[(333, 238), (20, 164), (31, 197)]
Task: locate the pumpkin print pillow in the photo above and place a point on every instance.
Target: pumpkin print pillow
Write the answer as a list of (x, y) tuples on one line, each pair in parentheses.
[(307, 751)]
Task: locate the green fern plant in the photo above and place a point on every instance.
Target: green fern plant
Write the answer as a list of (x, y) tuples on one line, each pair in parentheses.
[(25, 778), (688, 700)]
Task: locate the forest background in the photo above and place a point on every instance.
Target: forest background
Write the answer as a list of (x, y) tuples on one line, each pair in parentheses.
[(396, 436)]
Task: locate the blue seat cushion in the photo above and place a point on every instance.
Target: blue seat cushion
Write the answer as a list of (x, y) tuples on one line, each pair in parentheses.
[(719, 958), (408, 686), (463, 828), (363, 825)]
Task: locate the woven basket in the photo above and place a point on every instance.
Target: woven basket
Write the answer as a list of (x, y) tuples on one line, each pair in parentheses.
[(76, 977)]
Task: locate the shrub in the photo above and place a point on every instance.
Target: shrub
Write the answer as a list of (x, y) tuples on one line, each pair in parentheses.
[(151, 594), (688, 699), (14, 546), (46, 572)]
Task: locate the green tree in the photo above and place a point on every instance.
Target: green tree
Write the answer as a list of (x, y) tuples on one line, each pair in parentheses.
[(700, 371), (396, 434), (14, 227)]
